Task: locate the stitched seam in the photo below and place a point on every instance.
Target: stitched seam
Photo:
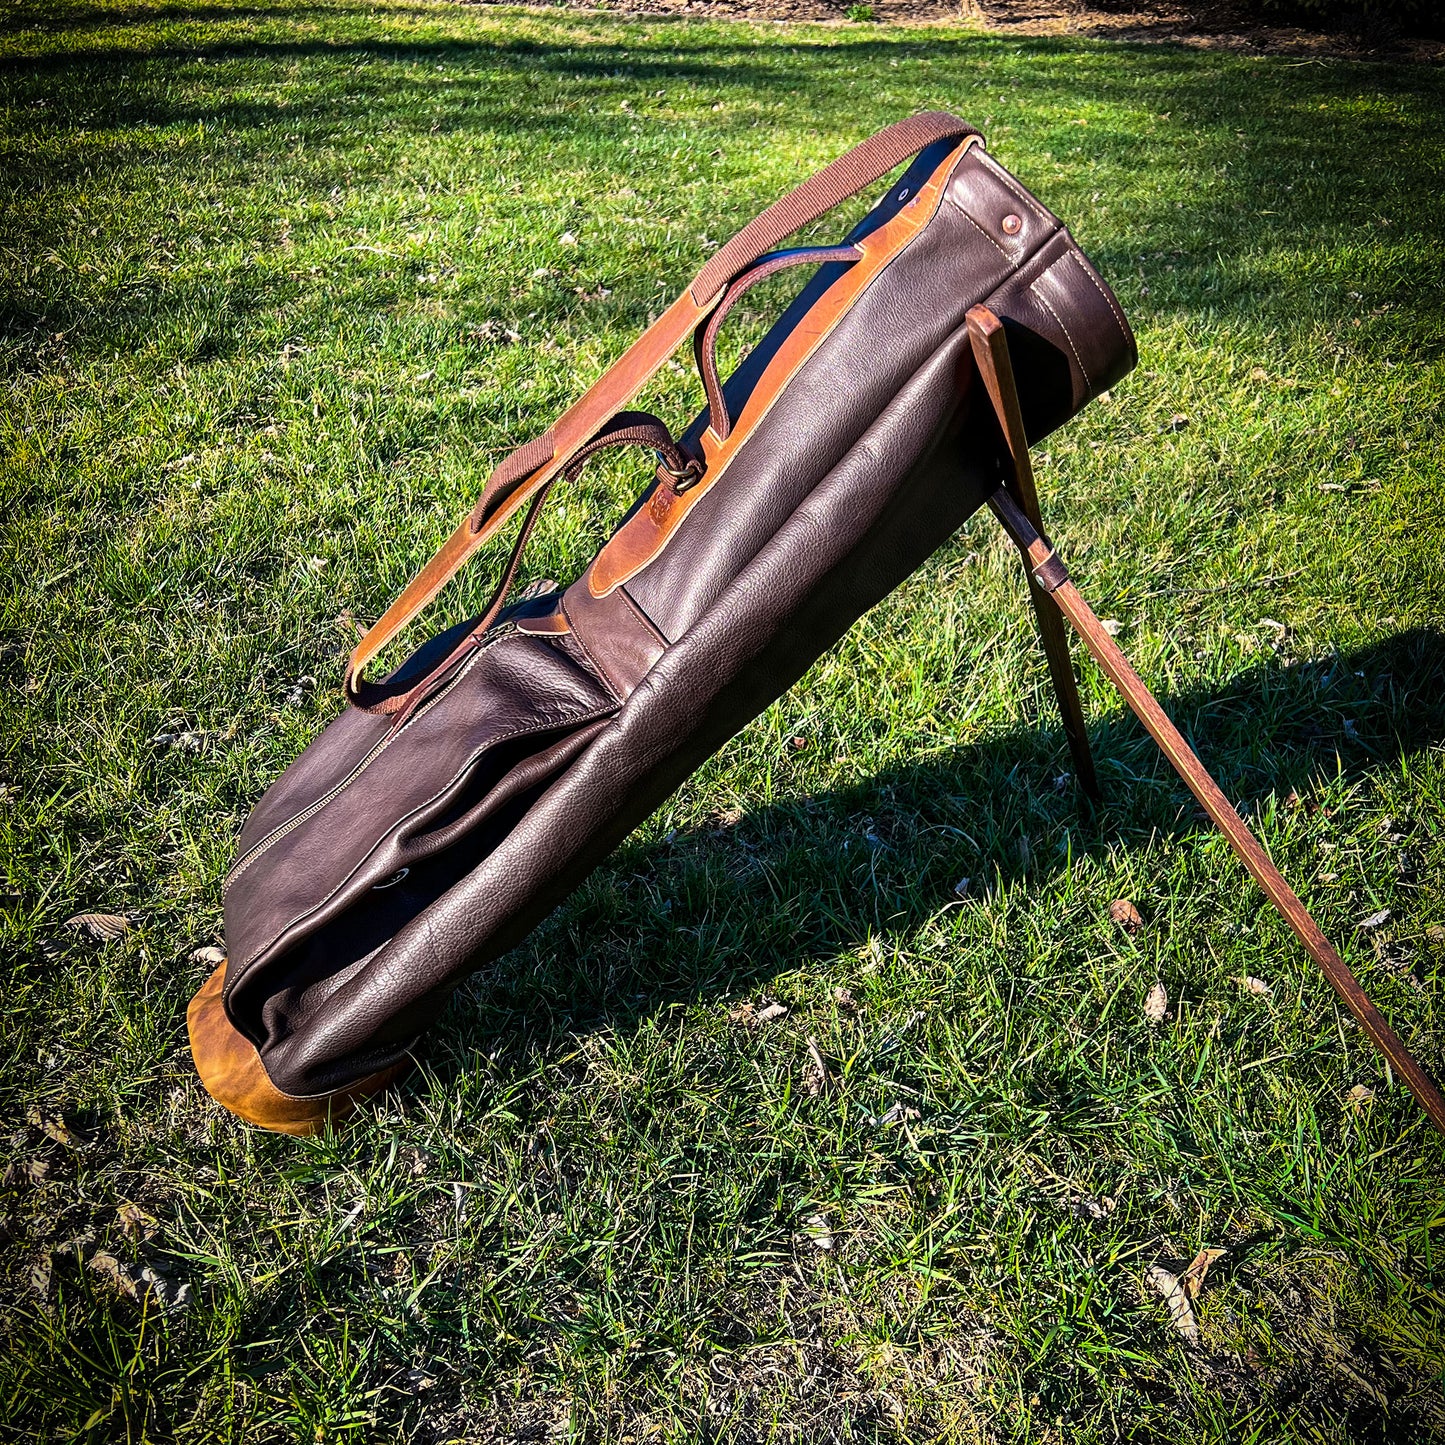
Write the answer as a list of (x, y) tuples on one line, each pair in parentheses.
[(603, 676), (1019, 191), (643, 618), (1084, 266), (1088, 380), (305, 814), (496, 742), (984, 234)]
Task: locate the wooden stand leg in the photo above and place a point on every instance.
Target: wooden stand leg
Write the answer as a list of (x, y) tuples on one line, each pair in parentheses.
[(1050, 574), (990, 350)]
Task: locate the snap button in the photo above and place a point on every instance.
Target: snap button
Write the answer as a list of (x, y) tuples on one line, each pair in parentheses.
[(1012, 225)]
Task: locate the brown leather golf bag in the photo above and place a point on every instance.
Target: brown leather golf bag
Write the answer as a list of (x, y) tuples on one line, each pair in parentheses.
[(451, 806)]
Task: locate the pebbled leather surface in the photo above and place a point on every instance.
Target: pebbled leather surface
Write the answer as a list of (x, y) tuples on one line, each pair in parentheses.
[(551, 746), (903, 488), (963, 256), (394, 802)]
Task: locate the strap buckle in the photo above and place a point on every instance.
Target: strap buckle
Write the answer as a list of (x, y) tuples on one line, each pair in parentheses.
[(688, 477)]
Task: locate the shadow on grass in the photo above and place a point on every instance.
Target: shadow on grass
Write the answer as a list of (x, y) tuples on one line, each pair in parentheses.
[(1222, 141), (790, 887), (812, 878)]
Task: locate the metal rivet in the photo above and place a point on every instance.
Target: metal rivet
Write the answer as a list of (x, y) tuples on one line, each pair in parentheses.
[(1012, 225)]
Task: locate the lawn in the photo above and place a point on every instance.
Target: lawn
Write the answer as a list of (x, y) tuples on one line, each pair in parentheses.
[(279, 284)]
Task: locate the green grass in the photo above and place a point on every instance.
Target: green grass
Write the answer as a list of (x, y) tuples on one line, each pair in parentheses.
[(259, 267)]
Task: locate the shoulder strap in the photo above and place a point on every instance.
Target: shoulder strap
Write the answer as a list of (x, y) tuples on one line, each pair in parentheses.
[(532, 466)]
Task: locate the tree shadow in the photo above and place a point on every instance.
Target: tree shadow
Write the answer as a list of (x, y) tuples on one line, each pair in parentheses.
[(1234, 148), (1242, 211)]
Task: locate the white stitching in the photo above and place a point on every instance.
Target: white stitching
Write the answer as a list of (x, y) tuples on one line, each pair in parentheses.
[(1018, 190), (1034, 287), (1088, 271), (984, 234)]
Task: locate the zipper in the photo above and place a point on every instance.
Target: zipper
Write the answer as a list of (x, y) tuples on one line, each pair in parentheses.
[(380, 746)]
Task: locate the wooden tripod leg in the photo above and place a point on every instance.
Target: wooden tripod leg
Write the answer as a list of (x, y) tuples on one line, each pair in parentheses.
[(990, 351), (1050, 572)]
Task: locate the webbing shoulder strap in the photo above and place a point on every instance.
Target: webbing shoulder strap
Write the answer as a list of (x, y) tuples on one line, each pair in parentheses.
[(532, 466)]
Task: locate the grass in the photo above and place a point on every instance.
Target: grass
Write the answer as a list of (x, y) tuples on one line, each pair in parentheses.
[(280, 282)]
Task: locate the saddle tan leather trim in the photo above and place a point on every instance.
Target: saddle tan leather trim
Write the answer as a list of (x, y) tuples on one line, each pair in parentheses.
[(644, 534), (235, 1078), (620, 383), (608, 395)]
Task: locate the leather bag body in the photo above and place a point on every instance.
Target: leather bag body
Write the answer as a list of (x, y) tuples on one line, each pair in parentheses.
[(404, 849)]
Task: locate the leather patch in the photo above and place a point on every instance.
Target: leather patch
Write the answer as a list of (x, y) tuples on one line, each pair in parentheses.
[(618, 639), (235, 1077), (1051, 574)]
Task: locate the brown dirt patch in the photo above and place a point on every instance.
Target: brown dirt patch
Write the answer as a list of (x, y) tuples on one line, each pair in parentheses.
[(1207, 24)]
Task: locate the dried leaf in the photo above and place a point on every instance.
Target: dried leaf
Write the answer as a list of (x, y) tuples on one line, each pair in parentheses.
[(1374, 920), (135, 1223), (296, 693), (1112, 626), (209, 955), (1359, 1095), (100, 927), (1157, 1004), (752, 1016), (114, 1273), (54, 1127), (1193, 1278), (1256, 986), (183, 740), (1123, 912), (1181, 1313), (40, 1276), (1178, 421), (38, 1170), (817, 1077), (1085, 1206), (169, 1296), (843, 997), (897, 1114)]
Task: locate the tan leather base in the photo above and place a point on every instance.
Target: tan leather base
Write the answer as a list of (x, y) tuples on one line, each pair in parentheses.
[(235, 1077)]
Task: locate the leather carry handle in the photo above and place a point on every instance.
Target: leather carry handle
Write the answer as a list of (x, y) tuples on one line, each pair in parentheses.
[(838, 180), (704, 339), (532, 466), (627, 429), (1046, 568)]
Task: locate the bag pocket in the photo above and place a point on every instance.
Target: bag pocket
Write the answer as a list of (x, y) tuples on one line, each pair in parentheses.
[(394, 817)]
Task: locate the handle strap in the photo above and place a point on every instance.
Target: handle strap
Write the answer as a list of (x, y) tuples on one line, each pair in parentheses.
[(838, 180), (536, 464), (629, 428), (704, 339)]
